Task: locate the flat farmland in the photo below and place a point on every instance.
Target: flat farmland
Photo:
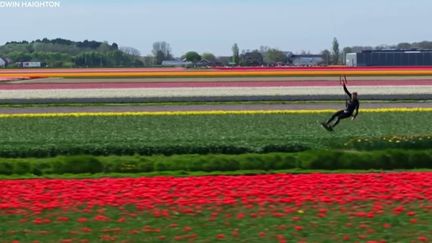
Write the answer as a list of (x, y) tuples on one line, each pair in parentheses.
[(160, 148), (99, 90), (220, 133)]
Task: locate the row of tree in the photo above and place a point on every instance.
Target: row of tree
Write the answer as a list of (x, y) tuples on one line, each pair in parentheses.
[(66, 53), (263, 56), (84, 59)]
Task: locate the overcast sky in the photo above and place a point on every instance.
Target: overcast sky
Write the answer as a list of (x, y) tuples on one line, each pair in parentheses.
[(214, 25)]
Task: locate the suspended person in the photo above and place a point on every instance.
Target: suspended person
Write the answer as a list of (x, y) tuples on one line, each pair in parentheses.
[(351, 110)]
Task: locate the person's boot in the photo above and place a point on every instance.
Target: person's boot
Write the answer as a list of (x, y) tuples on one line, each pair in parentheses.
[(326, 126)]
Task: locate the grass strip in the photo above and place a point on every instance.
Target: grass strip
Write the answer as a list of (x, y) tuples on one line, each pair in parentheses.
[(207, 134)]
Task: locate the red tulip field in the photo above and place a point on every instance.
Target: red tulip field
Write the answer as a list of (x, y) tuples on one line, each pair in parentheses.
[(372, 207)]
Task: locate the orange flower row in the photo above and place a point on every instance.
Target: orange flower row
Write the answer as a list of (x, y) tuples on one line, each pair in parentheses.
[(235, 73)]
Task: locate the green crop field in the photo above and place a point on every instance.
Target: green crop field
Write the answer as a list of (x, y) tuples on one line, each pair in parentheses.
[(274, 223), (21, 137)]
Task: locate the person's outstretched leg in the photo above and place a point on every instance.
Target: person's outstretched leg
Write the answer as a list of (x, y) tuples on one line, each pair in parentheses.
[(341, 116), (335, 115), (336, 122)]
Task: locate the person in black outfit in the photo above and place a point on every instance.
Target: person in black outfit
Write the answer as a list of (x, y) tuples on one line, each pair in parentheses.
[(352, 107)]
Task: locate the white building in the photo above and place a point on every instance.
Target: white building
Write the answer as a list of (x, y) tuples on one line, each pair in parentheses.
[(175, 63), (2, 62), (31, 64), (307, 60), (351, 59)]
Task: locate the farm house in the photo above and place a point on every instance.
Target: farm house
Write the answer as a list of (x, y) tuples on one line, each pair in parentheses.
[(2, 62), (307, 60)]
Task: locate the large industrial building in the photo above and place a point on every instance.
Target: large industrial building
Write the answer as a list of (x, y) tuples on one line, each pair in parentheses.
[(390, 58)]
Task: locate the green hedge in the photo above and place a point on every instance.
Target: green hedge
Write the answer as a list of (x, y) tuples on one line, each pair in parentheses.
[(383, 159), (135, 164), (308, 160), (45, 151)]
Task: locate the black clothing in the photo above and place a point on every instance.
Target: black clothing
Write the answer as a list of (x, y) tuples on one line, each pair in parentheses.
[(342, 114), (351, 106)]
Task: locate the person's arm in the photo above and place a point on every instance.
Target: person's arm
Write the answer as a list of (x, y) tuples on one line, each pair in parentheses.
[(346, 91)]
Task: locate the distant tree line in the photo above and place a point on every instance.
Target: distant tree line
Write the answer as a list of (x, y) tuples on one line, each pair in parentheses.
[(265, 56), (66, 53)]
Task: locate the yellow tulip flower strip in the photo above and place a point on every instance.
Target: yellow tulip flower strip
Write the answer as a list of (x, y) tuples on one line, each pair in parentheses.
[(198, 113)]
